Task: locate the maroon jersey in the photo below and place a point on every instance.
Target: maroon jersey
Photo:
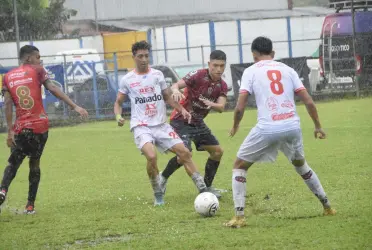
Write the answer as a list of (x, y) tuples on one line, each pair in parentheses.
[(199, 85), (24, 85)]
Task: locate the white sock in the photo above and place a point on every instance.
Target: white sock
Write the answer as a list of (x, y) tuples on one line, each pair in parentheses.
[(313, 182), (239, 183), (155, 183)]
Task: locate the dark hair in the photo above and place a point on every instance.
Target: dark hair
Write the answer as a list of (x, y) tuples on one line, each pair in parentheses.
[(217, 55), (262, 45), (26, 50), (141, 45)]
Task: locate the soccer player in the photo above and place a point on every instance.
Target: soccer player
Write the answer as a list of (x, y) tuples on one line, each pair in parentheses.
[(148, 92), (29, 134), (204, 90), (274, 85)]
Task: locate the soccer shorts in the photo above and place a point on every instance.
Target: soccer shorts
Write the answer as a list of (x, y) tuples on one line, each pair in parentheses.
[(162, 136), (262, 147), (27, 144), (199, 134)]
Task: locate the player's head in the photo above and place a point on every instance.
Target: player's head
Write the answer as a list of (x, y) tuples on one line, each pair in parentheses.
[(141, 53), (217, 64), (262, 49), (29, 54)]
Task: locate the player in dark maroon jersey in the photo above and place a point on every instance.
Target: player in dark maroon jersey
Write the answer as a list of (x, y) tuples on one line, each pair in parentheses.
[(29, 134), (204, 90)]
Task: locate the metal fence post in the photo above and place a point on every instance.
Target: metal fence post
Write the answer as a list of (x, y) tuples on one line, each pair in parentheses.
[(95, 91), (202, 54), (354, 50), (65, 86)]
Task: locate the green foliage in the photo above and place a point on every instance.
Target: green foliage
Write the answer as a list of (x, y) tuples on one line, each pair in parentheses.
[(34, 20)]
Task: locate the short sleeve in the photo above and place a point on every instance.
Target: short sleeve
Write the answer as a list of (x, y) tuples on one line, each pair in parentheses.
[(190, 78), (162, 83), (246, 84), (297, 83), (42, 74), (123, 87)]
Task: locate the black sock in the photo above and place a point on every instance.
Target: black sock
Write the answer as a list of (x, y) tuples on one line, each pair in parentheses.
[(210, 171), (9, 174), (34, 179), (171, 167)]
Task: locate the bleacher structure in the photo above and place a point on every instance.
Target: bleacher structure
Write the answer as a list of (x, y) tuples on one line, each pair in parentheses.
[(347, 5)]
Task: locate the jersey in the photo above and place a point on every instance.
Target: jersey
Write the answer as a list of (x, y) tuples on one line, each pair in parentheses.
[(199, 85), (145, 92), (24, 85), (274, 85)]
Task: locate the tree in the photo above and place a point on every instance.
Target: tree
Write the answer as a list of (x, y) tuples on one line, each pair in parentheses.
[(35, 22)]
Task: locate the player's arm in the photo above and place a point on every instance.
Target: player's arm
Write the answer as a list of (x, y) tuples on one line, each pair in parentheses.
[(167, 95), (8, 106), (218, 106), (57, 92), (118, 108), (240, 108), (187, 81), (301, 92)]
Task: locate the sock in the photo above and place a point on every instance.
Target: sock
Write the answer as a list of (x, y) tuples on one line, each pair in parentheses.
[(199, 181), (171, 167), (313, 182), (210, 171), (34, 180), (9, 174), (239, 183), (155, 183)]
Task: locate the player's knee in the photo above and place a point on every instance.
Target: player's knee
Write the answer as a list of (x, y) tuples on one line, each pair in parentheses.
[(184, 155), (217, 154), (152, 158), (241, 164), (298, 163)]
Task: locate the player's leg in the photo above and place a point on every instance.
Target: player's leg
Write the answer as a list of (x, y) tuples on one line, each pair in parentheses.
[(185, 158), (144, 140), (257, 147), (35, 151), (168, 140), (292, 147), (174, 163), (14, 162)]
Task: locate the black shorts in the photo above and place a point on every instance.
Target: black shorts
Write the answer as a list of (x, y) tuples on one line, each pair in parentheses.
[(27, 144), (200, 134)]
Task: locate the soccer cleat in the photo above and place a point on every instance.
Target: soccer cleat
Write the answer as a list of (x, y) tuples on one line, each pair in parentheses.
[(236, 222), (159, 201), (214, 191), (329, 211), (163, 183), (30, 208)]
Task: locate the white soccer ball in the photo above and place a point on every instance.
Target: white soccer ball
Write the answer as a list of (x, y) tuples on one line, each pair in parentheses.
[(206, 204)]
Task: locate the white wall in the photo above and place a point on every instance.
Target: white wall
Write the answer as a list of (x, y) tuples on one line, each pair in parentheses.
[(49, 48), (226, 37)]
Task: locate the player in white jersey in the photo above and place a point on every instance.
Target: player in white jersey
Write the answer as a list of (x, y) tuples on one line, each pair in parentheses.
[(274, 85), (148, 93)]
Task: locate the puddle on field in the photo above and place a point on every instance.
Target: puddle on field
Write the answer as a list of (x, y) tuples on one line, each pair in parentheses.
[(95, 242)]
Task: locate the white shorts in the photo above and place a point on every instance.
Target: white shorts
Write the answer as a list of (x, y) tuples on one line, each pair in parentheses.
[(259, 147), (162, 136)]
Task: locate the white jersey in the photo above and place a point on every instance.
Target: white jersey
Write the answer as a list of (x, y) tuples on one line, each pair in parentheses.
[(274, 85), (145, 92)]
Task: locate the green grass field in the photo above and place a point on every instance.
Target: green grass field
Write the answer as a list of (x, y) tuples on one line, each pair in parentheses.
[(94, 192)]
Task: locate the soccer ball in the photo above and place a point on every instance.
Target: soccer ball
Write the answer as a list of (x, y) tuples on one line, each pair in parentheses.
[(206, 204)]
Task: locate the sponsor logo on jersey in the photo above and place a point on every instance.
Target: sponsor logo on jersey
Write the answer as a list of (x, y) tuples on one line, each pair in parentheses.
[(287, 104), (142, 100), (151, 109), (14, 75), (282, 116), (135, 84), (147, 89)]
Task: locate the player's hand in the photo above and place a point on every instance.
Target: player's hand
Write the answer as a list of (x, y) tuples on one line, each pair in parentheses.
[(319, 133), (83, 113), (206, 102), (186, 115), (120, 120), (233, 131), (10, 142), (177, 96)]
